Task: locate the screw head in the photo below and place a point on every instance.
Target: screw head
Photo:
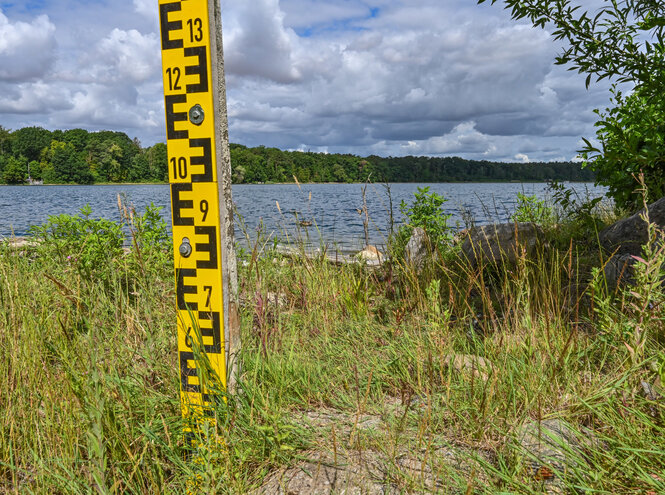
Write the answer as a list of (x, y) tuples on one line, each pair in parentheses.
[(185, 248), (196, 115)]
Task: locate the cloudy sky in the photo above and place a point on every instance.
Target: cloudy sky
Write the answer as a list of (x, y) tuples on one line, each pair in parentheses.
[(386, 77)]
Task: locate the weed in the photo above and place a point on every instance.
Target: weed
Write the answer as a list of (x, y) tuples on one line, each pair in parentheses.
[(532, 209), (425, 212)]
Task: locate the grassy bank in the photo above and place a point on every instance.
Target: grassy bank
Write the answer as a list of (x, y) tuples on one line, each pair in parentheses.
[(415, 380)]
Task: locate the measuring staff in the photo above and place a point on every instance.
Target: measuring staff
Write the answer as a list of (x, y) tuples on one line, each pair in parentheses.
[(200, 180)]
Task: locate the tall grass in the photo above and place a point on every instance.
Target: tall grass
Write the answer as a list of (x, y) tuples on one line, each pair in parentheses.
[(90, 401)]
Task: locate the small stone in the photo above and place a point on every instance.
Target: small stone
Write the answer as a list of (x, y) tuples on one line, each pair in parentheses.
[(649, 391), (370, 253), (469, 364), (620, 269), (18, 242), (278, 300), (551, 448)]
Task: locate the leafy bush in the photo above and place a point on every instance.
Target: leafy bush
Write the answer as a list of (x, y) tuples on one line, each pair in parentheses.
[(15, 170), (90, 245), (630, 315), (425, 212), (151, 243), (93, 247), (532, 209), (580, 218), (632, 141), (150, 230)]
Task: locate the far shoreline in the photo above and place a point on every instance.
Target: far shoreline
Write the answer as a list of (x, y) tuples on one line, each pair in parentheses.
[(313, 183)]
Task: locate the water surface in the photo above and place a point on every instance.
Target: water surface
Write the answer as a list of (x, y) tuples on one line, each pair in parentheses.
[(332, 209)]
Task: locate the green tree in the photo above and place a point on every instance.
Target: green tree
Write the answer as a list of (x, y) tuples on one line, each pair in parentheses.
[(63, 165), (238, 174), (16, 170), (426, 212), (35, 170), (632, 141), (109, 155), (111, 162), (339, 173), (5, 141), (139, 169), (158, 163), (30, 141), (624, 40), (77, 137)]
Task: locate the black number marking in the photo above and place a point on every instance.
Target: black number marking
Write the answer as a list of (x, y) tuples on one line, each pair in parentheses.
[(182, 288), (209, 247), (179, 169), (205, 207), (195, 29), (187, 372), (174, 79), (208, 289), (214, 332)]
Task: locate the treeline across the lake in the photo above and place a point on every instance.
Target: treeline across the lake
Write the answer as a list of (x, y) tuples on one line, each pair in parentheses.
[(78, 156), (261, 164)]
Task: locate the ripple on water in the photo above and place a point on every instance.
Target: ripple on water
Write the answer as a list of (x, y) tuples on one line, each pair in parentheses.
[(333, 208)]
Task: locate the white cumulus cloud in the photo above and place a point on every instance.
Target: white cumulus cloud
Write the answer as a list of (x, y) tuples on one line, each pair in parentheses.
[(27, 49), (257, 44)]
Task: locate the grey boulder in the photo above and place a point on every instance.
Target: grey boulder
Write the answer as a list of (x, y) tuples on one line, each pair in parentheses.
[(501, 243), (627, 236), (418, 248)]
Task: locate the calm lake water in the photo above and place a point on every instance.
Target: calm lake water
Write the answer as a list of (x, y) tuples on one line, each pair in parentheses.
[(332, 209)]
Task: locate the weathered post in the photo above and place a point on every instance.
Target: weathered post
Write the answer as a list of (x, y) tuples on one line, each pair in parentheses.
[(200, 181)]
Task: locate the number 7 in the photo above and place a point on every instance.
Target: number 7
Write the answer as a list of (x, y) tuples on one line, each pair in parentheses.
[(208, 289)]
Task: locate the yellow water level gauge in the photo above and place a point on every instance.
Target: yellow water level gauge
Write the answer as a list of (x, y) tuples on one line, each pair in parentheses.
[(197, 142)]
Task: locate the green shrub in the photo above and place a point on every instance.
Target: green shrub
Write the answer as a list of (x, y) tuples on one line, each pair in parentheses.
[(632, 142), (425, 212), (532, 209), (151, 241), (621, 41), (89, 245)]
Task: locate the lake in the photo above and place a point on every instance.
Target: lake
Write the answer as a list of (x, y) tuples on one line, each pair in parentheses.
[(331, 208)]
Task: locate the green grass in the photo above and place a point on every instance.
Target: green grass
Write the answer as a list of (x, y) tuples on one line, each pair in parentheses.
[(90, 400)]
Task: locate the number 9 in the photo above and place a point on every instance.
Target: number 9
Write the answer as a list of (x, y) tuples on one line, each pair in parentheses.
[(204, 207)]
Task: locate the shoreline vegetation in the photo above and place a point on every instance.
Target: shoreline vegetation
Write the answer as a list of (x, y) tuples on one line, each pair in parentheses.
[(433, 372), (77, 156)]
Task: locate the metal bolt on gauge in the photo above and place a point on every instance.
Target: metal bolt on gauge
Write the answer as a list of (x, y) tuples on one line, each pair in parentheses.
[(185, 248), (196, 115)]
